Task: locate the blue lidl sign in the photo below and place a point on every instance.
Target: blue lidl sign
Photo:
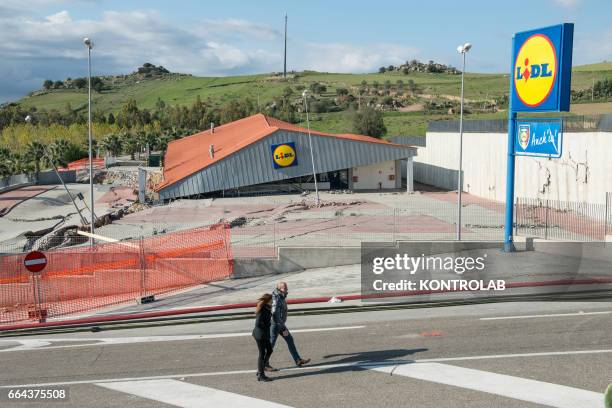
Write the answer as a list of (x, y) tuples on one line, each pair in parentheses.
[(541, 69), (540, 79), (539, 138)]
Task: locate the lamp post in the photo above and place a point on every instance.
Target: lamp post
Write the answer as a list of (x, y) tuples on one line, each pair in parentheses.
[(89, 44), (462, 49), (314, 173)]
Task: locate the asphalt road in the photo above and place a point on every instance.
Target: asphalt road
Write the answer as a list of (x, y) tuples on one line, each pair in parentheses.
[(495, 355)]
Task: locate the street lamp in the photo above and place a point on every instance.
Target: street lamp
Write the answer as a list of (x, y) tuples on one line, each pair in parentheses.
[(89, 44), (462, 49), (314, 173)]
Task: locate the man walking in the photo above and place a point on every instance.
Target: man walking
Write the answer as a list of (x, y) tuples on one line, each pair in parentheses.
[(279, 317)]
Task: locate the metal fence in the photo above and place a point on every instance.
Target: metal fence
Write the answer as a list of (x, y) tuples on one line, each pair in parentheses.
[(563, 220)]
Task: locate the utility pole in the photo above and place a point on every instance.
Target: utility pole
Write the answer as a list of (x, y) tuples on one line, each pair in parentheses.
[(285, 59)]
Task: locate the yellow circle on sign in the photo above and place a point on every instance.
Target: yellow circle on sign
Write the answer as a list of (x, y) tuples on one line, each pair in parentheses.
[(535, 70), (284, 155)]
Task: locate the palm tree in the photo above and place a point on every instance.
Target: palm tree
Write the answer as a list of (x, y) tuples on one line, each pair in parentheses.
[(59, 150), (152, 140), (129, 143), (112, 144), (35, 154), (5, 162), (141, 140)]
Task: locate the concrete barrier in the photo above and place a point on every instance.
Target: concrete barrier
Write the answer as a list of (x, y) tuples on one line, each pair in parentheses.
[(50, 177), (296, 259)]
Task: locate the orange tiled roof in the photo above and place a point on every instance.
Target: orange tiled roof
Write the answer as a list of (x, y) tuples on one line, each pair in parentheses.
[(191, 154)]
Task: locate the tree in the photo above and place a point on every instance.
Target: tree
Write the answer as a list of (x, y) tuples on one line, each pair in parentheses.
[(97, 84), (317, 88), (58, 84), (112, 144), (48, 84), (130, 114), (5, 162), (129, 144), (63, 152), (342, 91), (35, 155), (236, 109), (287, 92), (79, 83), (369, 122), (382, 70)]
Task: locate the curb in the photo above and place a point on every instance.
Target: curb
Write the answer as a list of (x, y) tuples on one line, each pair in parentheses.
[(320, 299)]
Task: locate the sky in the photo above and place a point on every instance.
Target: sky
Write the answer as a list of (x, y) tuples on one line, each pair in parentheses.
[(42, 39)]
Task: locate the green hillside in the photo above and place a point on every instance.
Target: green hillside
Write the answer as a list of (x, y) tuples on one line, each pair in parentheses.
[(435, 95), (183, 89)]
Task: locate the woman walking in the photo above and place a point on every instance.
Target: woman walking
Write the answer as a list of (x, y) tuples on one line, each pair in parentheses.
[(261, 333)]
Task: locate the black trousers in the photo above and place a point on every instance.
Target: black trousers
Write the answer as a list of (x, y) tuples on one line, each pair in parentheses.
[(265, 351)]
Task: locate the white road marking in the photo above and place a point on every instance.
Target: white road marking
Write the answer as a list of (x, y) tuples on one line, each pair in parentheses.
[(546, 315), (186, 395), (537, 392), (312, 367), (36, 344), (494, 356)]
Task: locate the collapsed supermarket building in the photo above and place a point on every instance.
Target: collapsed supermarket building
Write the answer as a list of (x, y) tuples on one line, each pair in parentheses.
[(260, 154)]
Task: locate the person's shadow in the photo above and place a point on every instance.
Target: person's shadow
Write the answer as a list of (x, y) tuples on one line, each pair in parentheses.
[(357, 361)]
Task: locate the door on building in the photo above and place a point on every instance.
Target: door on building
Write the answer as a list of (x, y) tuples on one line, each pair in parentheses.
[(338, 180)]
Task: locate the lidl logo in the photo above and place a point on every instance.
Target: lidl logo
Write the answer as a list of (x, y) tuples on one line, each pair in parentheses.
[(535, 70), (283, 155), (541, 69)]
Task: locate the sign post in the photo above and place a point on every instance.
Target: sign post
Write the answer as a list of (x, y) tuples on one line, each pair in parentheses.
[(540, 79), (35, 262)]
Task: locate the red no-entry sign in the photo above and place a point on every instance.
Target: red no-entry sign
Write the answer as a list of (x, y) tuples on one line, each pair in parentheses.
[(35, 261)]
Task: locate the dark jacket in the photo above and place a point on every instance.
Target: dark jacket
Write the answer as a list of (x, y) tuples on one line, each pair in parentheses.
[(262, 323), (279, 310)]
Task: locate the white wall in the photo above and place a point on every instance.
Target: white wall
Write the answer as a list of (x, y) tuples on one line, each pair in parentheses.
[(370, 176), (583, 173)]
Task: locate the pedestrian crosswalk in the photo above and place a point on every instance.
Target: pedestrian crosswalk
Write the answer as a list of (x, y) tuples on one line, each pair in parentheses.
[(537, 392), (175, 392), (186, 395)]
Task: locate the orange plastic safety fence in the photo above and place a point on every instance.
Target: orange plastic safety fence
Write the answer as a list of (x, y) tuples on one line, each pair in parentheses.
[(85, 278)]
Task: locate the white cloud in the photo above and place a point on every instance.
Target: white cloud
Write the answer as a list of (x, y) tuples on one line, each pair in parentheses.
[(36, 48), (566, 3), (593, 47), (337, 57), (33, 49)]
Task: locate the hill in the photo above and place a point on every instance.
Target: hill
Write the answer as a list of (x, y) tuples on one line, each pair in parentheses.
[(409, 99)]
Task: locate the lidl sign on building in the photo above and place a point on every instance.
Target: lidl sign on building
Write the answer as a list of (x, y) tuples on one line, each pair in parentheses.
[(542, 65), (283, 155)]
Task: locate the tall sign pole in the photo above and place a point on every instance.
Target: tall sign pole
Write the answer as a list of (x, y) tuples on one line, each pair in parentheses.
[(285, 59), (540, 80)]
